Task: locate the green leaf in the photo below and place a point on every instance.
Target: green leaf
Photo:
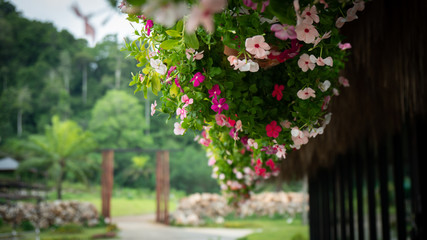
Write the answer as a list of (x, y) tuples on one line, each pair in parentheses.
[(215, 71), (179, 25), (169, 44), (174, 90), (191, 40), (253, 88), (155, 85), (173, 33)]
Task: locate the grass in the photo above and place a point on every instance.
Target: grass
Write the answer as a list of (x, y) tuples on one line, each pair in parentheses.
[(50, 234), (124, 202), (275, 228)]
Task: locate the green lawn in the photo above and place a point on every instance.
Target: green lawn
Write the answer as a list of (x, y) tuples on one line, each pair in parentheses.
[(269, 228)]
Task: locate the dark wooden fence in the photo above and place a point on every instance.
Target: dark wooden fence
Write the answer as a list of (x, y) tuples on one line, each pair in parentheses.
[(374, 191)]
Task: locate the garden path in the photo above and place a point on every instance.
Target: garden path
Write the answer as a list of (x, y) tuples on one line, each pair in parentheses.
[(145, 228)]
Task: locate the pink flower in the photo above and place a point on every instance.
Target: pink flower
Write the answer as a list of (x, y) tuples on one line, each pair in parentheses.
[(324, 3), (285, 124), (233, 134), (211, 161), (335, 92), (205, 141), (238, 126), (252, 143), (306, 93), (203, 14), (197, 79), (306, 32), (153, 107), (344, 81), (273, 130), (305, 63), (277, 92), (233, 60), (178, 85), (148, 26), (257, 46), (284, 31), (181, 112), (219, 106), (191, 52), (310, 15), (171, 69), (326, 102), (186, 100), (221, 119), (340, 22), (344, 46), (281, 152), (270, 163), (359, 5), (214, 91), (178, 130), (322, 62), (141, 78), (325, 36)]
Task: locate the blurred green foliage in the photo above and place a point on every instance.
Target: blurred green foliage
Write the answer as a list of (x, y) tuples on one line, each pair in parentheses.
[(46, 72)]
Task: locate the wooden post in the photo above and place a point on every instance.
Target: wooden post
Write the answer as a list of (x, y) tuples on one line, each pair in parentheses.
[(162, 186), (107, 181)]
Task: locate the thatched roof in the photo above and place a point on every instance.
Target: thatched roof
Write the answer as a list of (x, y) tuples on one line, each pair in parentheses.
[(387, 72)]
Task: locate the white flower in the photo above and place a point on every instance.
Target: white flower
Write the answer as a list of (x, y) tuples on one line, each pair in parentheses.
[(249, 66), (324, 86), (158, 66), (327, 119), (281, 151), (239, 175), (252, 143), (295, 132)]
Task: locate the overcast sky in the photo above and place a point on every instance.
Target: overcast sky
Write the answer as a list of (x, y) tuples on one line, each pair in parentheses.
[(60, 14)]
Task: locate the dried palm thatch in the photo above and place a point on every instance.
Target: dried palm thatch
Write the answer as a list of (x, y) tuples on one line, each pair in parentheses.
[(387, 71)]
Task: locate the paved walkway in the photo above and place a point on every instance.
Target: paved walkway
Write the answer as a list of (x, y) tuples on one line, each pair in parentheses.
[(145, 228)]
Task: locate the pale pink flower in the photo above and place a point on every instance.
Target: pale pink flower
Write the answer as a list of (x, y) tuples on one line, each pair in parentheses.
[(325, 36), (229, 161), (301, 138), (281, 151), (252, 143), (324, 3), (359, 5), (178, 130), (211, 161), (153, 107), (351, 14), (239, 175), (152, 54), (306, 32), (284, 31), (340, 22), (335, 92), (285, 124), (344, 81), (186, 100), (203, 14), (344, 46), (320, 61), (191, 52), (305, 63), (233, 60), (306, 93), (182, 113), (221, 119), (238, 126), (257, 46), (310, 15), (326, 101)]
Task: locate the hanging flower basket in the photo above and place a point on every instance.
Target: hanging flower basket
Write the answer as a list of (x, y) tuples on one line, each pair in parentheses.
[(255, 77)]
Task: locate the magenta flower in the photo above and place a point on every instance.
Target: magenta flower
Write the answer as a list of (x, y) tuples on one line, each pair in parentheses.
[(277, 92), (215, 91), (178, 85), (273, 130), (197, 79), (171, 69), (219, 106), (284, 31), (288, 53), (148, 26), (306, 93)]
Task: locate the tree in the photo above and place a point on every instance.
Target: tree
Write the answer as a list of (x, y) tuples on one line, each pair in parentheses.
[(118, 122), (61, 150)]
